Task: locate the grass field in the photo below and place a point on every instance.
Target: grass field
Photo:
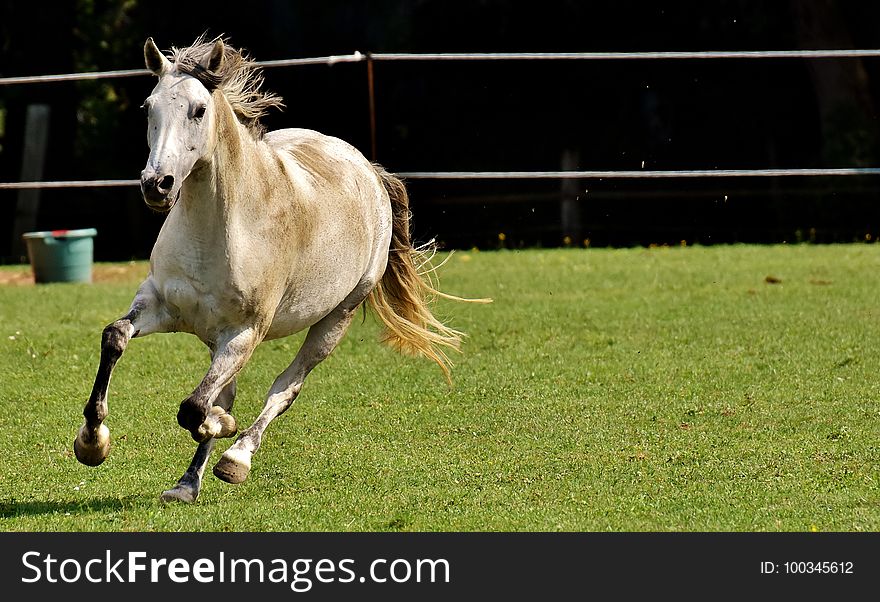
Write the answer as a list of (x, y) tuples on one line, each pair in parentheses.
[(669, 389)]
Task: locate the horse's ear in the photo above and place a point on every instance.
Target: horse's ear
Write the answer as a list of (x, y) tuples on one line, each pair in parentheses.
[(154, 59), (214, 60)]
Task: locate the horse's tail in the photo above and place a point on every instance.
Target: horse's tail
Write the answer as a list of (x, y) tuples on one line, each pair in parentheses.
[(402, 298)]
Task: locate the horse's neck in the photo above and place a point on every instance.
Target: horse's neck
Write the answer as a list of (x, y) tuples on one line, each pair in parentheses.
[(235, 155), (222, 188)]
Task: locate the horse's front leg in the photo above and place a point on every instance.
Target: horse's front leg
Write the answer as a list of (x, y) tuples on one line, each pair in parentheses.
[(146, 315), (198, 413), (189, 485)]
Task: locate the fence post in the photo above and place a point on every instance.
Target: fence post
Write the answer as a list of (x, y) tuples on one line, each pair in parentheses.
[(372, 92), (570, 208), (36, 135)]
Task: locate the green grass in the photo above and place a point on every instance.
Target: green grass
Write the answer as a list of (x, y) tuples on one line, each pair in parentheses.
[(623, 390)]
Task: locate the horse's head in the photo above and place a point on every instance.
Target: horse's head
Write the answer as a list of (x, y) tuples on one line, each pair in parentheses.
[(179, 120)]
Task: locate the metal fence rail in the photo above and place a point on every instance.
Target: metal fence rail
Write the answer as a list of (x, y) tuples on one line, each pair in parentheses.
[(67, 184), (357, 57), (525, 175), (617, 56), (639, 174)]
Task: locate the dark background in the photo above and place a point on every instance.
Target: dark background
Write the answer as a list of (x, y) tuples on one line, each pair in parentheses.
[(473, 116)]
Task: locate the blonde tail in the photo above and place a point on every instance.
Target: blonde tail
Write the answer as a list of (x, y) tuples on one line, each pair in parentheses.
[(402, 297)]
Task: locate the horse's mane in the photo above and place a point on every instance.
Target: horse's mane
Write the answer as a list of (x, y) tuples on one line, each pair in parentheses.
[(238, 78)]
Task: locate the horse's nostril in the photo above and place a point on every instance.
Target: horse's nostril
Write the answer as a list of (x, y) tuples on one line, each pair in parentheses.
[(166, 183)]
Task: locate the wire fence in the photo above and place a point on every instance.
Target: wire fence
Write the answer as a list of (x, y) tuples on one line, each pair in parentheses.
[(369, 58)]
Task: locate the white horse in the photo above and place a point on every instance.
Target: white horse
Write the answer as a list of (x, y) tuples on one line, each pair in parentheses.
[(266, 235)]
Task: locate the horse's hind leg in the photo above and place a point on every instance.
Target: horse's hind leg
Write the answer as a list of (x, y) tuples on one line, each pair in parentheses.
[(322, 338), (92, 443), (188, 486)]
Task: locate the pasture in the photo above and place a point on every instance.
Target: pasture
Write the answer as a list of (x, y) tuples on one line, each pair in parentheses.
[(664, 389)]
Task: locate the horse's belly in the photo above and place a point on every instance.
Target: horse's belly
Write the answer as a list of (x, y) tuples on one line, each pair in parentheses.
[(294, 316), (303, 306), (286, 324)]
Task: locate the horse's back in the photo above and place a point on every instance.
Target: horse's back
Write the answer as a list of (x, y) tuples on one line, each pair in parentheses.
[(328, 160)]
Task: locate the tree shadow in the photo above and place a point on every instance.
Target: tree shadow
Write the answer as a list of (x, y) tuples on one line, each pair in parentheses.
[(11, 509)]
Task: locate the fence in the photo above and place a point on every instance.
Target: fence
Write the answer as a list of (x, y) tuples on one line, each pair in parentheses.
[(371, 58)]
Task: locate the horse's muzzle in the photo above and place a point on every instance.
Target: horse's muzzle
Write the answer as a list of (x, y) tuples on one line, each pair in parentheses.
[(157, 191)]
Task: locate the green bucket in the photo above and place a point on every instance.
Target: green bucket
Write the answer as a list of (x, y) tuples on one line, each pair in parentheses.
[(61, 255)]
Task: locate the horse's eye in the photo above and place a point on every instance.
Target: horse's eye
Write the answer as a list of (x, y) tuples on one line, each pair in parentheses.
[(199, 112)]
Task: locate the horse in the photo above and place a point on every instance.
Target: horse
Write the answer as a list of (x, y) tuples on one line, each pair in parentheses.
[(266, 234)]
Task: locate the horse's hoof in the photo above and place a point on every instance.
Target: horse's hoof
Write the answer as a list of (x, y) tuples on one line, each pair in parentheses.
[(190, 416), (218, 424), (234, 466), (185, 495), (92, 448)]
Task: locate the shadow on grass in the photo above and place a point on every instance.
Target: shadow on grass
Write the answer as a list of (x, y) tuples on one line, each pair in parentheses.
[(35, 508)]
